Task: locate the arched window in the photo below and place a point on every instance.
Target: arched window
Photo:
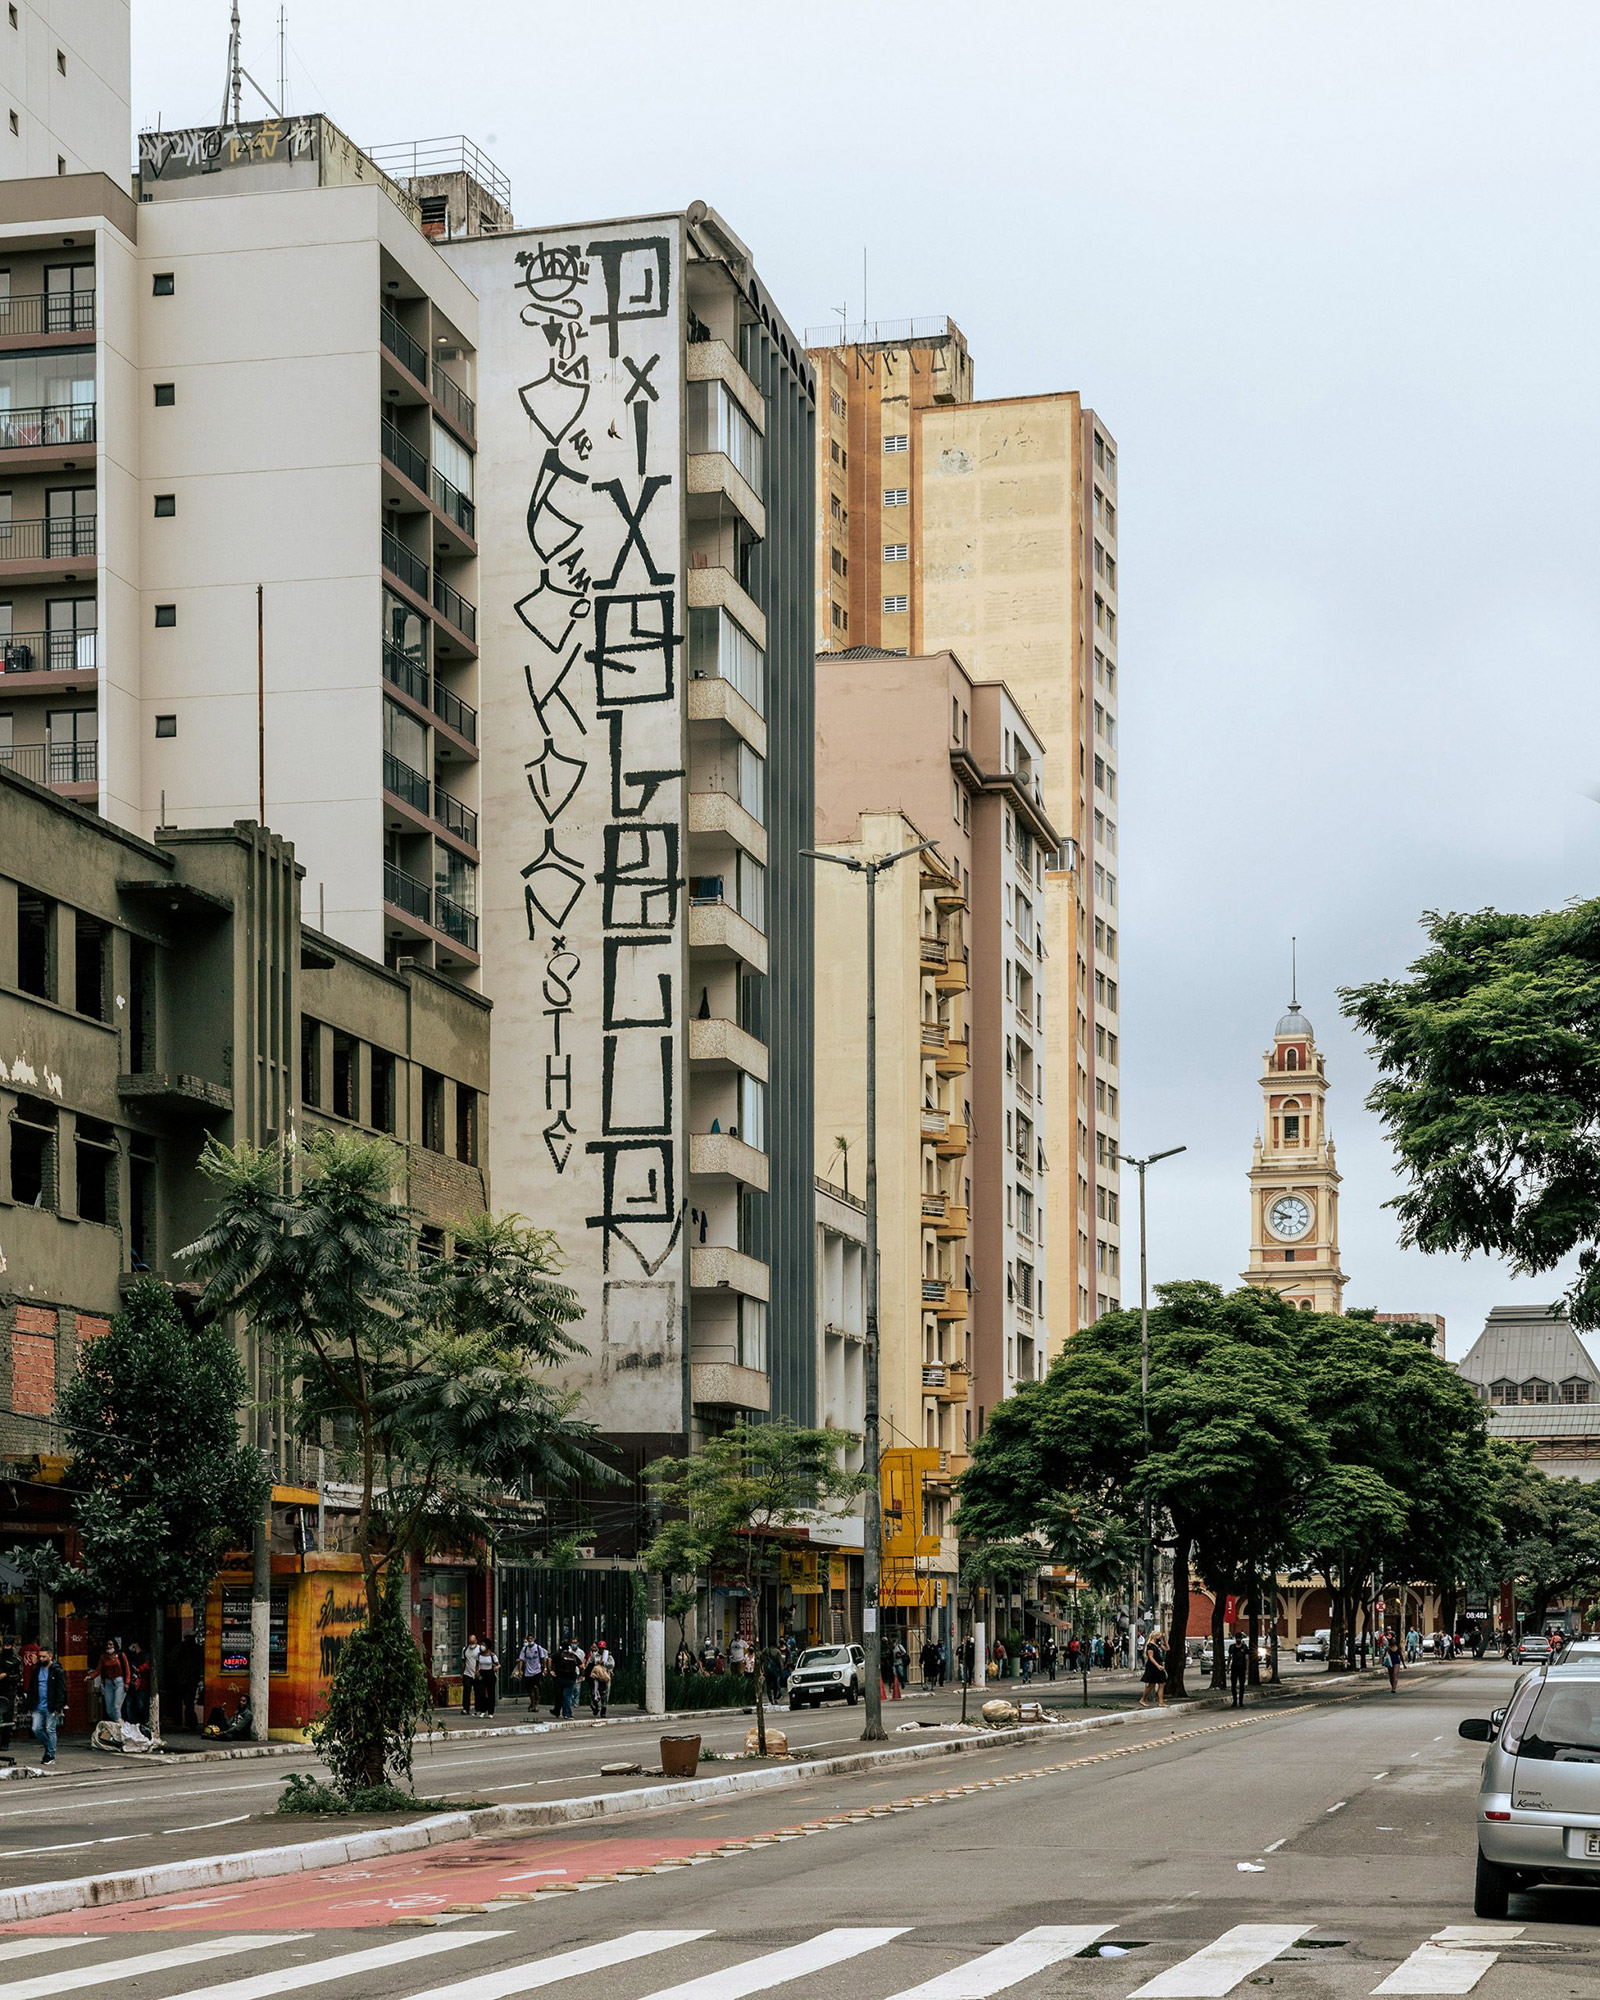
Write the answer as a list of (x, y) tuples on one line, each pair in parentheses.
[(1291, 1058), (1291, 1121)]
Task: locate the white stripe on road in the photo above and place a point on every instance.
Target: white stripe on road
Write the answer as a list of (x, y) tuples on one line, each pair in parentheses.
[(1219, 1967), (1033, 1952), (289, 1978), (565, 1965), (28, 1947), (777, 1968), (70, 1981), (1447, 1963)]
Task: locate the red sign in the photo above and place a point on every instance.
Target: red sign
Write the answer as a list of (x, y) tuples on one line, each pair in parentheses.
[(1230, 1609)]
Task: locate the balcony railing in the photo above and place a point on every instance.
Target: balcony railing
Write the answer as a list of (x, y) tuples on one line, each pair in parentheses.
[(407, 893), (403, 454), (49, 652), (47, 424), (934, 1375), (452, 501), (407, 674), (405, 783), (935, 1205), (53, 763), (935, 952), (933, 1291), (455, 920), (458, 714), (47, 541), (934, 1123), (450, 604), (454, 816), (457, 405), (410, 569), (935, 1035), (411, 354), (48, 312)]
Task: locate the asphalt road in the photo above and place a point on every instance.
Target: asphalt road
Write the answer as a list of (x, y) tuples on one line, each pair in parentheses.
[(1320, 1846)]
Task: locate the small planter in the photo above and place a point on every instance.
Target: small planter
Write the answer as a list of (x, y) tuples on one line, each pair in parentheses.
[(680, 1756)]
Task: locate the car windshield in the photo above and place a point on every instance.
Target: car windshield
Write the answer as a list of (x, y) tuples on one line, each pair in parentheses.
[(824, 1656), (1565, 1725)]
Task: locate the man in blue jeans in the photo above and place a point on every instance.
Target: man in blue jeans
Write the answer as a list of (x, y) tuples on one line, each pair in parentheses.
[(47, 1685)]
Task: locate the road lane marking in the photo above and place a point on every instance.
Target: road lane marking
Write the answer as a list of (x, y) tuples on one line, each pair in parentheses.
[(1034, 1952), (1276, 1845), (118, 1969), (206, 1825), (776, 1968), (1339, 1807), (565, 1965), (289, 1978), (1217, 1968), (1446, 1963)]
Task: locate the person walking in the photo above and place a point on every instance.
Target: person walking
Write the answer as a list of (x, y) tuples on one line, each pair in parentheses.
[(597, 1671), (1155, 1672), (488, 1678), (112, 1673), (969, 1659), (48, 1690), (568, 1671), (531, 1661), (772, 1672), (1048, 1655), (1001, 1658), (1238, 1667), (899, 1668), (1028, 1654), (1394, 1659), (469, 1672)]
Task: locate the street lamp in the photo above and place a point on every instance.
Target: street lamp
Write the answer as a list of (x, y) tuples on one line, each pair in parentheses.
[(872, 1521), (1147, 1586)]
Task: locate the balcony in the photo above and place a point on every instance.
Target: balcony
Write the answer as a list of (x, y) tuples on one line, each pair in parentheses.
[(1025, 1164), (34, 313), (403, 455), (454, 505), (399, 561), (715, 1268), (457, 922), (69, 539), (411, 354), (408, 674), (935, 954), (715, 808), (953, 978), (933, 1291), (47, 426), (176, 1096), (952, 1223), (458, 406), (949, 1381), (454, 817), (934, 1207), (455, 714), (713, 699), (717, 929), (954, 1303), (461, 613), (935, 1036), (406, 784), (720, 1156), (69, 652), (716, 1043), (411, 897), (953, 1058), (53, 763), (935, 1124), (724, 1385), (954, 1142)]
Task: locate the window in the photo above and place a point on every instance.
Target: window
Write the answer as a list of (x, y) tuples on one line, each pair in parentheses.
[(383, 1091), (36, 936), (61, 61), (12, 14), (897, 443), (33, 1154), (16, 126), (721, 649), (166, 614), (466, 1125), (753, 1112), (751, 891), (166, 506), (895, 551), (894, 604), (718, 423), (1574, 1390), (162, 285), (433, 1111), (346, 1076), (166, 725), (61, 165), (895, 496), (753, 1333), (166, 395), (96, 1171), (310, 1061), (92, 972)]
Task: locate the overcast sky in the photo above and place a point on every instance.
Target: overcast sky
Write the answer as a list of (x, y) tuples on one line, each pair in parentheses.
[(1328, 274)]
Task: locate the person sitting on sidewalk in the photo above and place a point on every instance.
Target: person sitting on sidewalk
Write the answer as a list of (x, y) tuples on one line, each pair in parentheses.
[(241, 1729)]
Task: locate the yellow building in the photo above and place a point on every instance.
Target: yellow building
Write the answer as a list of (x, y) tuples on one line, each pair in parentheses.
[(1294, 1184)]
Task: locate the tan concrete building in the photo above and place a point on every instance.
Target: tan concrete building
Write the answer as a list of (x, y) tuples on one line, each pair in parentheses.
[(1294, 1183)]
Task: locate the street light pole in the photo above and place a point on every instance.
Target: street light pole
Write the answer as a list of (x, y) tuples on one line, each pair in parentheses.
[(872, 1511), (1147, 1581)]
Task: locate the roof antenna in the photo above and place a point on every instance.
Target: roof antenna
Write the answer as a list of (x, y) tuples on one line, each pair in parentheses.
[(238, 76), (1294, 976)]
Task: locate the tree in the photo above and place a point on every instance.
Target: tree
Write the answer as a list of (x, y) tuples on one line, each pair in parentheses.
[(1489, 1086), (1549, 1542), (984, 1566), (732, 1496), (431, 1374), (162, 1485)]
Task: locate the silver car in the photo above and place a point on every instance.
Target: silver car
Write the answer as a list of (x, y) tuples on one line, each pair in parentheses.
[(828, 1673), (1539, 1796)]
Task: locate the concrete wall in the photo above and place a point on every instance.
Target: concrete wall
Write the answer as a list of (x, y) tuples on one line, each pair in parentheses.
[(80, 113)]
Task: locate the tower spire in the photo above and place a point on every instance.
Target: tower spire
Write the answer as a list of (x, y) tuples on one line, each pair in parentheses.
[(1294, 975)]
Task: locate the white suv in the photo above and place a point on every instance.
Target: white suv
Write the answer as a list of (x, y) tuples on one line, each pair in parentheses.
[(828, 1673)]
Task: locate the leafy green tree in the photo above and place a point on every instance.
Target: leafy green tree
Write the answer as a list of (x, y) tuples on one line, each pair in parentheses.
[(162, 1486), (377, 1699), (731, 1498), (1549, 1542), (988, 1566), (1489, 1086)]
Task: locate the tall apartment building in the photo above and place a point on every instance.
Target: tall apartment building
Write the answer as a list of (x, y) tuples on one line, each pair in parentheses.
[(65, 82), (990, 528)]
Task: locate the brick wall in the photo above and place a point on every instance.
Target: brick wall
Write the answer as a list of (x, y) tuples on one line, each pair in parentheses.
[(33, 1373), (441, 1188), (91, 1326)]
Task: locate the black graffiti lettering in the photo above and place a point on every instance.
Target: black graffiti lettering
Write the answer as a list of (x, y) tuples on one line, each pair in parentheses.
[(552, 276), (555, 400), (555, 692), (558, 1077), (640, 876), (644, 264), (633, 521), (553, 884), (644, 783), (558, 1136), (634, 641), (612, 1015), (661, 1119), (549, 530), (551, 613), (558, 982), (554, 779)]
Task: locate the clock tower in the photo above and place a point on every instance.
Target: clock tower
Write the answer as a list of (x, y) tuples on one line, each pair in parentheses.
[(1294, 1185)]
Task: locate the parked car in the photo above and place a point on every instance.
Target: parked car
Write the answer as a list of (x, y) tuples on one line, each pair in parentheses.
[(1313, 1645), (828, 1673), (1539, 1794)]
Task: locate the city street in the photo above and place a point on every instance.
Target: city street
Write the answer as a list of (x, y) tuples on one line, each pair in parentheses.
[(1323, 1846)]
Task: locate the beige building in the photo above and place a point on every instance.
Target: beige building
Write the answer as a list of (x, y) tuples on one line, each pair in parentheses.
[(1294, 1183), (990, 528)]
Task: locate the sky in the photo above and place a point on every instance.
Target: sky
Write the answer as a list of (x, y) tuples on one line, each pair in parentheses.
[(1328, 275)]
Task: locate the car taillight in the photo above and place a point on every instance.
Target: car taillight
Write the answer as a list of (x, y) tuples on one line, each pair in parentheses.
[(1496, 1815)]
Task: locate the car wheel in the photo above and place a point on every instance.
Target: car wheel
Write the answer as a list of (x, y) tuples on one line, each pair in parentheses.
[(851, 1694), (795, 1702), (1492, 1891)]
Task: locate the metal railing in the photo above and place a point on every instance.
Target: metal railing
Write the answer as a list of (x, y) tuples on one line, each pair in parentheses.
[(935, 1204), (461, 612), (47, 424), (454, 816), (407, 674), (403, 454), (460, 716), (422, 159), (53, 763), (450, 500), (455, 920), (411, 354), (934, 1123), (935, 1035), (935, 951), (457, 405), (410, 569), (48, 312), (50, 652), (406, 892), (863, 333), (405, 783), (48, 540), (933, 1291)]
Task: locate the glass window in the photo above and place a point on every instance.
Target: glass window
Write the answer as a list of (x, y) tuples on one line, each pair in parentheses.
[(404, 737), (753, 782), (752, 892), (717, 422), (452, 458), (753, 1334), (753, 1112), (1564, 1727), (721, 649)]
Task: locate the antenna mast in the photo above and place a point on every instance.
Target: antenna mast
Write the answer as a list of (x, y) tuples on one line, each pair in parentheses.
[(1294, 976), (283, 60)]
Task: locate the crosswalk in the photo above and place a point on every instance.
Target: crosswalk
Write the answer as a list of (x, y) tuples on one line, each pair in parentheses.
[(1452, 1961)]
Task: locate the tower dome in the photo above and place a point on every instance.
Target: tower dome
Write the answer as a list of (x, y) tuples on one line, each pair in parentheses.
[(1293, 1023)]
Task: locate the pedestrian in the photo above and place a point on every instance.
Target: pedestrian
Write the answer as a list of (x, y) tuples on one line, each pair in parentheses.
[(1155, 1672), (568, 1673), (772, 1671), (136, 1703), (48, 1688), (1000, 1657), (708, 1655), (1394, 1659), (899, 1668), (1238, 1667), (469, 1672), (1074, 1650), (969, 1659), (598, 1669), (1048, 1654), (1028, 1654), (112, 1677), (488, 1678), (530, 1665), (739, 1655)]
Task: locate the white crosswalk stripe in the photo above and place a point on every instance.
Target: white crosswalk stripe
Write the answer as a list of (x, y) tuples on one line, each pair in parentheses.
[(777, 1968), (72, 1979), (1452, 1961), (1009, 1964), (1217, 1968), (377, 1958), (30, 1947), (564, 1965)]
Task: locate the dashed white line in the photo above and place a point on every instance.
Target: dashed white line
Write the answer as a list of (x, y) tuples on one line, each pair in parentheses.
[(1339, 1807)]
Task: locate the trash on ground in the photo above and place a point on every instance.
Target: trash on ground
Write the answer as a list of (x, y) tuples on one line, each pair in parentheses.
[(620, 1770)]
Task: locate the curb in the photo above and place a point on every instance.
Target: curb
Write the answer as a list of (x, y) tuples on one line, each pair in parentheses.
[(91, 1892)]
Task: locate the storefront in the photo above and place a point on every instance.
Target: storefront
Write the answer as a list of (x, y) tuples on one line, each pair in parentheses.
[(317, 1602)]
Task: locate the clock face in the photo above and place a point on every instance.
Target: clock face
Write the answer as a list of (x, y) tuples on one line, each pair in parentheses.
[(1289, 1217)]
